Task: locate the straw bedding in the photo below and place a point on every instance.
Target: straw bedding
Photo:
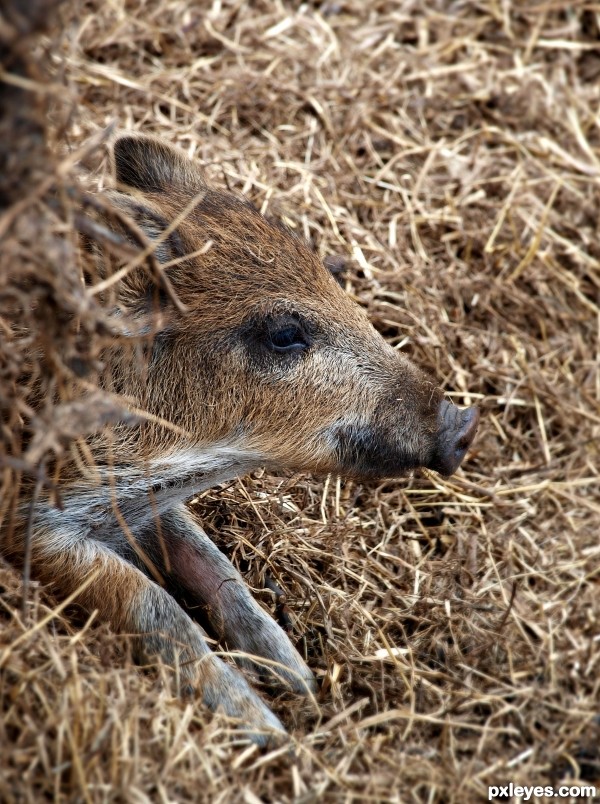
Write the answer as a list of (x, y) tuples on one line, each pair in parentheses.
[(449, 154)]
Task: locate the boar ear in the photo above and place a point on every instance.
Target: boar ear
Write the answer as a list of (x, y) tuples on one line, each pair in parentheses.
[(151, 166)]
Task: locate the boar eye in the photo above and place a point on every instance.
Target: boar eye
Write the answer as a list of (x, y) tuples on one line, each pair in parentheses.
[(290, 338)]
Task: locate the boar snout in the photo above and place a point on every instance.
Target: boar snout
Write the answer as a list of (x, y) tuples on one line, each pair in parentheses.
[(457, 428)]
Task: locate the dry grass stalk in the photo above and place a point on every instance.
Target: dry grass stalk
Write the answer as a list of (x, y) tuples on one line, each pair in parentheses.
[(451, 153)]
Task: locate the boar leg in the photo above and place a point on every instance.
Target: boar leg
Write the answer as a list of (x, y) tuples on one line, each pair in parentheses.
[(205, 575), (135, 605)]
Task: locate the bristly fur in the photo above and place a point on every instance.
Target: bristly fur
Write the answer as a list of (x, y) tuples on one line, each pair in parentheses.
[(266, 362)]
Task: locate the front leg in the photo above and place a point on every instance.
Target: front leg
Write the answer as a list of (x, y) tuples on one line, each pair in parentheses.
[(132, 603), (199, 568)]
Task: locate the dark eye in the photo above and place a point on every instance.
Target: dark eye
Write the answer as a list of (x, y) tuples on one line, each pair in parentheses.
[(290, 338)]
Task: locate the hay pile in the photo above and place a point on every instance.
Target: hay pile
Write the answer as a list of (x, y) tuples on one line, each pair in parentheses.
[(450, 154)]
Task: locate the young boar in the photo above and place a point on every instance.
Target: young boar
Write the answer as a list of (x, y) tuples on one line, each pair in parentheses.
[(267, 364)]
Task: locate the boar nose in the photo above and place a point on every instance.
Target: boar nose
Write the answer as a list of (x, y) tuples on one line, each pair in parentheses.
[(457, 428)]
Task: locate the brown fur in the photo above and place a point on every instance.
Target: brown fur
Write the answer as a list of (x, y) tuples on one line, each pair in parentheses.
[(267, 363)]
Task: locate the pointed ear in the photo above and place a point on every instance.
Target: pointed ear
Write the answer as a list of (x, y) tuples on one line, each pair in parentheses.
[(147, 164)]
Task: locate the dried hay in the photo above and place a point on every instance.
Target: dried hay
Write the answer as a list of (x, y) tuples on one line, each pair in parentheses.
[(451, 153)]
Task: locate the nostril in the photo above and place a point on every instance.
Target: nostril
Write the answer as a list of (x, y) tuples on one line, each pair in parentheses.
[(466, 434), (456, 433)]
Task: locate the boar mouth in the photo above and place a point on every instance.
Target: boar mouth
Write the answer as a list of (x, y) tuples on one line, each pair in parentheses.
[(362, 452)]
